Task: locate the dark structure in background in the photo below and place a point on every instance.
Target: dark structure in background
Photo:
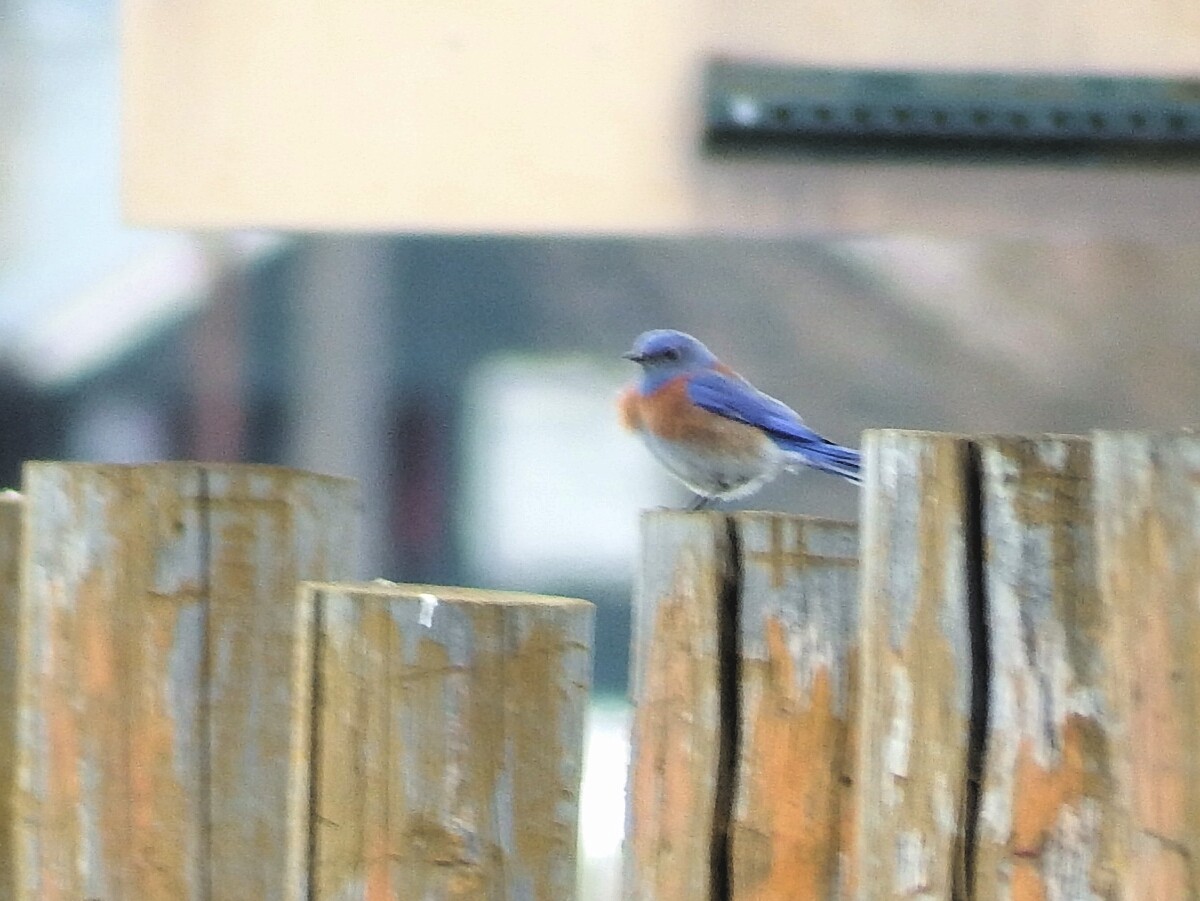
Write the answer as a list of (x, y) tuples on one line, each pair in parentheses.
[(1021, 337), (882, 113), (32, 424)]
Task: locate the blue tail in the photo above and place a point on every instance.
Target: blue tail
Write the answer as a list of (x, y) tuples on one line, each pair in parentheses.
[(728, 395), (826, 456)]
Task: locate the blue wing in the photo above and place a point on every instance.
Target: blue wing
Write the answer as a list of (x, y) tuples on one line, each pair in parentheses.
[(736, 399)]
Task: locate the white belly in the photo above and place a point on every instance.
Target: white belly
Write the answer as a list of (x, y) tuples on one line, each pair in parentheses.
[(725, 476)]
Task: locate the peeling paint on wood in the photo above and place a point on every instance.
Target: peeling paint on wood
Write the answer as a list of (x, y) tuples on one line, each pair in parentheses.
[(1147, 498), (798, 619), (916, 678), (676, 725), (161, 724), (448, 755), (1047, 823), (1065, 583), (792, 593)]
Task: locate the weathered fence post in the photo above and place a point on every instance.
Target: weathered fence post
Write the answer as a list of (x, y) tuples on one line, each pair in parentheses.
[(742, 746), (11, 507), (793, 811), (919, 609), (448, 741), (1028, 684), (1147, 497), (163, 752), (1047, 821), (683, 587)]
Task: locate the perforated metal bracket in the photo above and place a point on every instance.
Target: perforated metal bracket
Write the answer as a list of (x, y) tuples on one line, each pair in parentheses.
[(752, 106)]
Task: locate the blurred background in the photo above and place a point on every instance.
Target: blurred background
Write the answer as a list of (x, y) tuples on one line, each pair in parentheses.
[(468, 381)]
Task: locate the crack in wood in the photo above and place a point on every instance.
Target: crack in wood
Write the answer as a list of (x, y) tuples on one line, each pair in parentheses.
[(963, 880), (729, 714)]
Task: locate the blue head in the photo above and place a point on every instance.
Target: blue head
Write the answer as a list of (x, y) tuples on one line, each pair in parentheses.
[(665, 354)]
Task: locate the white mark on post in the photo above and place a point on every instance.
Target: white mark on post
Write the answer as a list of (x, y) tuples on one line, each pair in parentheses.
[(899, 736), (428, 605), (944, 807), (995, 812), (1053, 454), (1070, 852), (806, 644), (911, 876)]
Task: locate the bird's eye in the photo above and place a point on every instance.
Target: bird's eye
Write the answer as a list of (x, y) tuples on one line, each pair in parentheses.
[(670, 354)]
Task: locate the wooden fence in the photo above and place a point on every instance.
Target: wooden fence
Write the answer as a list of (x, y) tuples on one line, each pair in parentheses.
[(190, 707), (1000, 701), (987, 691)]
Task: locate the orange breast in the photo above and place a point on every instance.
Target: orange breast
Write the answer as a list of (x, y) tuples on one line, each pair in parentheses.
[(669, 414), (629, 409)]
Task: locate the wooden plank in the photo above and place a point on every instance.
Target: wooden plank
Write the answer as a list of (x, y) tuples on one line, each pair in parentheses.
[(798, 622), (11, 511), (916, 687), (1147, 494), (269, 528), (1048, 819), (110, 730), (130, 585), (682, 587), (158, 538), (448, 755)]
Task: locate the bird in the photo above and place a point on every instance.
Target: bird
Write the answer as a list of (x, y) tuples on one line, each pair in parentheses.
[(711, 429)]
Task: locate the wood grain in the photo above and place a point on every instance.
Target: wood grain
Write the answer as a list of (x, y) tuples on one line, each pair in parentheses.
[(448, 757), (1048, 820), (677, 730), (798, 624), (269, 529), (1147, 498), (11, 514), (743, 750), (161, 725), (916, 665)]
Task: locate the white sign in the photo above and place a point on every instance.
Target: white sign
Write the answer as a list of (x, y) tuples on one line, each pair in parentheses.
[(554, 485)]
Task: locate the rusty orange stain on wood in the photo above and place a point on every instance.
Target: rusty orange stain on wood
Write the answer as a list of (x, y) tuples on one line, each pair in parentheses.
[(539, 749), (1160, 789), (61, 725), (404, 807), (62, 750), (378, 868), (1159, 652), (795, 757), (848, 791), (662, 793), (1039, 796), (98, 647), (157, 799)]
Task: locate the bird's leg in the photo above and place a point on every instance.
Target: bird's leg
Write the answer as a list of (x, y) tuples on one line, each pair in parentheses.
[(699, 503)]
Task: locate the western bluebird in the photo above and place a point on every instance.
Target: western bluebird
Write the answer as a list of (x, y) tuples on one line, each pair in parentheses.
[(712, 429)]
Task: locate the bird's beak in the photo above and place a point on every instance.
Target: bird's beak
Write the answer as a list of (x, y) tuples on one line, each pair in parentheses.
[(633, 355)]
